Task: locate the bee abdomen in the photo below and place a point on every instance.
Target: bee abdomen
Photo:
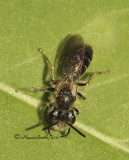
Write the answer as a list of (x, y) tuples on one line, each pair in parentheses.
[(87, 59)]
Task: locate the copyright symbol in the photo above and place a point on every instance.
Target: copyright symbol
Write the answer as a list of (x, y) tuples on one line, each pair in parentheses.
[(16, 136)]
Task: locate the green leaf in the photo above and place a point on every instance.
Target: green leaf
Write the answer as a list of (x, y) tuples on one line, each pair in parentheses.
[(28, 25)]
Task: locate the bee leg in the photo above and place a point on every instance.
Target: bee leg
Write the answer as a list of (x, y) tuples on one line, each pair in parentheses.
[(76, 110), (48, 107), (36, 89), (90, 78), (49, 132), (80, 95), (50, 66), (66, 133)]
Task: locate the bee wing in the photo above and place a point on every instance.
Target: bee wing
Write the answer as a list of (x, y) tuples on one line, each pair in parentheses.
[(71, 58)]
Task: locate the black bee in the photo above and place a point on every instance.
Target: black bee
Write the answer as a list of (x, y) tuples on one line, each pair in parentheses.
[(73, 63)]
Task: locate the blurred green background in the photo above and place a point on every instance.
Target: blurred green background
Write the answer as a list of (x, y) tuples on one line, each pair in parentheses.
[(25, 26)]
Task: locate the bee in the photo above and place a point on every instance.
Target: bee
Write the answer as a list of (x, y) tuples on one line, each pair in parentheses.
[(74, 60)]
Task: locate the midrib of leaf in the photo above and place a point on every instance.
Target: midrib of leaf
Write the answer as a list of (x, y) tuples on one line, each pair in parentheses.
[(35, 103)]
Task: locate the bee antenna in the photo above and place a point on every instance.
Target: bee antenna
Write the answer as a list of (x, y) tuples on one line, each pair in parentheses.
[(51, 125), (76, 130)]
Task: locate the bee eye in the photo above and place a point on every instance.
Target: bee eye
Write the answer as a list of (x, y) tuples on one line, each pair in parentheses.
[(71, 117), (55, 113)]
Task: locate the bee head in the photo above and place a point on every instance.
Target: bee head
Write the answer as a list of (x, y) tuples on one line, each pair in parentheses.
[(62, 115), (62, 118)]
